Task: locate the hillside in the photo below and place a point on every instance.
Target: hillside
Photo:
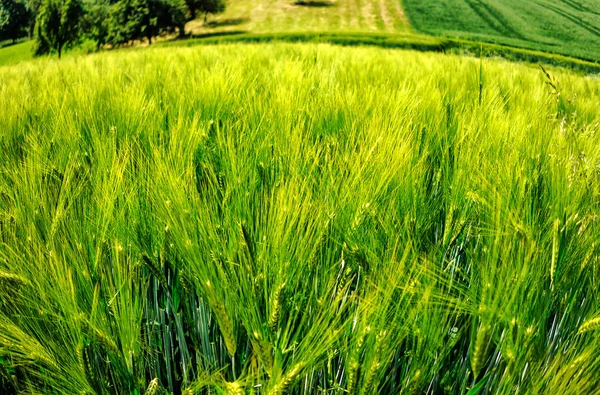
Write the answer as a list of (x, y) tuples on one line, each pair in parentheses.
[(525, 32), (282, 218), (276, 16), (569, 27)]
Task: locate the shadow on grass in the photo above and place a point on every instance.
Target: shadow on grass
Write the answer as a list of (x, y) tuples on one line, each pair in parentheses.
[(10, 43), (314, 3), (187, 37), (227, 22)]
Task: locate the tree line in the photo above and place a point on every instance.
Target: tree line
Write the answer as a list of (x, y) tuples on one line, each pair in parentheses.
[(57, 25)]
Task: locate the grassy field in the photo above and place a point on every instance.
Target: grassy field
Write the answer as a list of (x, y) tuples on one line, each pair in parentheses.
[(12, 54), (23, 52), (383, 23), (276, 16), (297, 219), (570, 27)]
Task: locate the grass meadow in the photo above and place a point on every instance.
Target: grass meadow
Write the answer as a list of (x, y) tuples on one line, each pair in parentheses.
[(13, 54), (568, 27), (448, 26), (297, 218)]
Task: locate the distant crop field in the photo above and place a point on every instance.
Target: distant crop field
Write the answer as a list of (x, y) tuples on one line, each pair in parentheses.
[(297, 219), (570, 27), (268, 16)]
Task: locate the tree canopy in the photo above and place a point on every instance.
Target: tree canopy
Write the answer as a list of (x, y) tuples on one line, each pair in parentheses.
[(60, 24), (14, 19), (138, 19), (205, 7)]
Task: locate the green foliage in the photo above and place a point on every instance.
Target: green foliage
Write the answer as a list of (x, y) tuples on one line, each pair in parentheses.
[(137, 19), (298, 219), (58, 26), (126, 18), (96, 21), (205, 7), (569, 27), (14, 19)]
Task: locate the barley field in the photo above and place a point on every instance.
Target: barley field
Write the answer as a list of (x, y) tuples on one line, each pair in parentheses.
[(299, 219)]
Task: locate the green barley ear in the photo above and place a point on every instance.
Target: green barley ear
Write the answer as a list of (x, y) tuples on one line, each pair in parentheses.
[(83, 356), (10, 284), (509, 343), (276, 308), (226, 327), (155, 270), (223, 320), (554, 253), (152, 387), (11, 280), (99, 336), (589, 325), (479, 350), (353, 362), (370, 376), (44, 360), (283, 384), (352, 374), (187, 286), (263, 351), (233, 388)]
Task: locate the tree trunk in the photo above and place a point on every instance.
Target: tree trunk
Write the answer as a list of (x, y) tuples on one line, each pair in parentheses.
[(193, 13), (205, 17), (59, 51)]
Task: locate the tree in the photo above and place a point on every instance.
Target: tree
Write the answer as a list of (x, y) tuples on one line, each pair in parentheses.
[(58, 26), (138, 19), (14, 19), (34, 8), (96, 21), (205, 6), (164, 16), (125, 21)]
